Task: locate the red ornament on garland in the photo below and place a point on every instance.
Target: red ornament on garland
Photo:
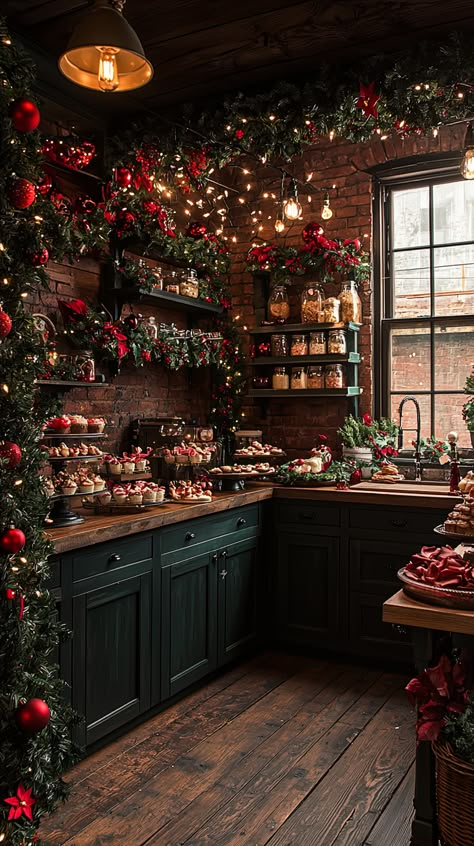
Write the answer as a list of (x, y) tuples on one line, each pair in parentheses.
[(5, 323), (12, 540), (196, 230), (46, 184), (39, 258), (32, 716), (123, 177), (131, 321), (24, 115), (311, 232), (21, 193), (150, 206), (12, 452)]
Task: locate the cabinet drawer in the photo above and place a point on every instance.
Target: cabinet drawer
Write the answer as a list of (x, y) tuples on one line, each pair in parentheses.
[(395, 520), (195, 532), (303, 513), (373, 564), (107, 557)]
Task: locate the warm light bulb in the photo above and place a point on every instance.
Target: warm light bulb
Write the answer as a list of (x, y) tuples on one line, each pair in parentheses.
[(108, 73), (279, 225), (292, 209), (326, 213)]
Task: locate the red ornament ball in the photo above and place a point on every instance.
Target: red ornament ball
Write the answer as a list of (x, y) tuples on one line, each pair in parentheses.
[(21, 193), (311, 232), (12, 540), (39, 258), (5, 323), (150, 206), (46, 184), (24, 115), (196, 229), (12, 452), (123, 177), (32, 716)]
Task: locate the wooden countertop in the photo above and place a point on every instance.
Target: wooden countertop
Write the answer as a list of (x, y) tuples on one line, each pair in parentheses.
[(371, 493), (405, 611), (96, 529)]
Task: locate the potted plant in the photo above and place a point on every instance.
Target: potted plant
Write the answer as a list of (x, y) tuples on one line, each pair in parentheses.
[(468, 407), (368, 441)]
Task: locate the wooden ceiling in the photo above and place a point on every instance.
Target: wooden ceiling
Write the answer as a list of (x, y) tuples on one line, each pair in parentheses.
[(202, 48)]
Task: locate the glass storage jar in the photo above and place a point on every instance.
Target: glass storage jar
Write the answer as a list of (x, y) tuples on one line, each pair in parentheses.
[(351, 306), (335, 376), (151, 327), (280, 379), (311, 303), (189, 284), (299, 379), (158, 281), (279, 345), (315, 376), (337, 343), (278, 304), (172, 282), (299, 345), (317, 343), (331, 310), (85, 366)]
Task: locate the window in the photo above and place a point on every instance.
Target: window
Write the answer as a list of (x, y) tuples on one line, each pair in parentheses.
[(425, 297)]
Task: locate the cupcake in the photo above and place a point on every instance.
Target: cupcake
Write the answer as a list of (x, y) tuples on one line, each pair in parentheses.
[(86, 485), (69, 487), (60, 425), (182, 457), (104, 498), (128, 466), (78, 424), (149, 496), (96, 424), (140, 465), (135, 496), (114, 467), (168, 456), (160, 495), (99, 483), (119, 495), (194, 456)]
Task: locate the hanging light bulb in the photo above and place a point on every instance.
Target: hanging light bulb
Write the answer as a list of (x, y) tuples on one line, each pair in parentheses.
[(326, 213), (279, 225), (291, 207), (108, 74), (467, 163)]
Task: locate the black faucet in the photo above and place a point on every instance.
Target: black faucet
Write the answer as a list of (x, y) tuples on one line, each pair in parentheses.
[(418, 434)]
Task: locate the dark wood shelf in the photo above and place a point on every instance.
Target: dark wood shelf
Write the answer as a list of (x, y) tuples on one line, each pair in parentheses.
[(326, 358), (68, 383), (269, 393), (70, 171), (288, 328), (167, 300)]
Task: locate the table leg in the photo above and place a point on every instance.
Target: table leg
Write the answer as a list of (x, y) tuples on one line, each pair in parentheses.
[(424, 829)]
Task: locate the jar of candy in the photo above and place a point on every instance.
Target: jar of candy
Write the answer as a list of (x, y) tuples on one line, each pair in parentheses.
[(85, 366), (337, 343), (299, 345), (189, 284), (278, 304), (279, 345), (335, 376), (311, 303), (315, 377), (317, 343), (280, 379), (299, 380), (351, 306), (331, 310), (172, 282)]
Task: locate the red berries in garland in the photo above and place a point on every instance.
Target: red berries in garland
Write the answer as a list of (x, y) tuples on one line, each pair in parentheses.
[(5, 323), (12, 540), (12, 452), (39, 258), (32, 716), (25, 116), (21, 193), (123, 177)]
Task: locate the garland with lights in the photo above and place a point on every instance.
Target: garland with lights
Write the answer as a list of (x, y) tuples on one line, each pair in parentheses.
[(35, 721)]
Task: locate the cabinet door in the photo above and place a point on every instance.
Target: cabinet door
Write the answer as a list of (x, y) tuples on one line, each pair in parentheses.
[(308, 586), (237, 599), (112, 653), (189, 622)]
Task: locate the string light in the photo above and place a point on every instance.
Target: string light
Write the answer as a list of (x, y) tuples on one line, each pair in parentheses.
[(332, 134), (5, 389), (326, 212), (279, 225)]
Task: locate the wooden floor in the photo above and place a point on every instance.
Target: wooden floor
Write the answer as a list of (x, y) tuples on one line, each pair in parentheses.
[(280, 751)]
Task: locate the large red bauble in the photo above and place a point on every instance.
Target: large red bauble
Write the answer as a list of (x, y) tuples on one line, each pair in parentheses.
[(12, 540), (123, 176), (21, 193), (5, 323), (24, 115), (39, 258), (12, 452), (311, 232), (32, 716), (150, 206)]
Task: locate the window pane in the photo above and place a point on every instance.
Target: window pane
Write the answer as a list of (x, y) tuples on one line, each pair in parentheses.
[(410, 218), (409, 418), (454, 354), (448, 416), (410, 360), (454, 279), (453, 211), (411, 281)]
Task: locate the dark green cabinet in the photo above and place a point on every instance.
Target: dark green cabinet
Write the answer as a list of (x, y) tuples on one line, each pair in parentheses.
[(237, 599)]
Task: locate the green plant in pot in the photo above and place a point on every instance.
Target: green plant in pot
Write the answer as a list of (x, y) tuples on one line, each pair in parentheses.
[(468, 407), (368, 441)]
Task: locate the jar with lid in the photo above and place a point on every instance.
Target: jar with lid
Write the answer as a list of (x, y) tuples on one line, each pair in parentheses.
[(315, 376), (279, 345), (280, 379), (299, 345), (337, 343), (331, 310), (189, 284), (278, 304), (299, 379), (335, 376), (85, 366), (158, 279), (151, 327), (351, 306), (311, 303), (172, 282), (317, 343)]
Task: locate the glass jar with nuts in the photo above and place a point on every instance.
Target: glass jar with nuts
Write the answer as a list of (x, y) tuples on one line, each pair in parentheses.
[(317, 343), (335, 376), (331, 310), (311, 303), (299, 378), (299, 345), (351, 306), (337, 343), (278, 305), (315, 377)]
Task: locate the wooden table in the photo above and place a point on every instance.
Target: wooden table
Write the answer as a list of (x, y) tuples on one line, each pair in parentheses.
[(429, 625)]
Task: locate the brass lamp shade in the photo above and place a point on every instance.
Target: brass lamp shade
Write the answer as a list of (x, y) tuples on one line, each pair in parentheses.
[(104, 27)]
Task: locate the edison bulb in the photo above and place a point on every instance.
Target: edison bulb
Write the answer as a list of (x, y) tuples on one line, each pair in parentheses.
[(292, 209), (108, 72), (467, 164), (326, 213), (279, 225)]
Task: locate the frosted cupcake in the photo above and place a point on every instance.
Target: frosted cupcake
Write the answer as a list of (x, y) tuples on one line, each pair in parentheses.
[(96, 424), (86, 486), (104, 498), (149, 496), (99, 483), (119, 495), (160, 494), (194, 456), (78, 424), (140, 464), (115, 467), (135, 496), (48, 487), (128, 466)]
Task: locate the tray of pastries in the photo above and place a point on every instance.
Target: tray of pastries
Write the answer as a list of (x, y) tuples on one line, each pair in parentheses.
[(440, 576), (255, 451), (190, 492), (460, 521), (388, 473), (239, 471)]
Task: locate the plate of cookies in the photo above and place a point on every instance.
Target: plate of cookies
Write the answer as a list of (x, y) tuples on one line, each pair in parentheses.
[(388, 473)]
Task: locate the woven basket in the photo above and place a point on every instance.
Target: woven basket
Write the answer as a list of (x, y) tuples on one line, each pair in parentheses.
[(454, 797)]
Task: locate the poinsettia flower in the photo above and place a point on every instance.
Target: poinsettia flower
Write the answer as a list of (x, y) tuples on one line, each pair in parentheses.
[(367, 420), (73, 310), (21, 803), (368, 100)]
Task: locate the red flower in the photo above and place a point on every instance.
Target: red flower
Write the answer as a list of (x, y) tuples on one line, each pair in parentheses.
[(438, 692), (367, 419), (146, 355), (367, 100), (239, 133), (73, 310), (21, 803)]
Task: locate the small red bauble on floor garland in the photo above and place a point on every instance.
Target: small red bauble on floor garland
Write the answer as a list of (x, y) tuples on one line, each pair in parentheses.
[(12, 452), (123, 177), (21, 193), (25, 116), (39, 258), (5, 323), (32, 716), (12, 540)]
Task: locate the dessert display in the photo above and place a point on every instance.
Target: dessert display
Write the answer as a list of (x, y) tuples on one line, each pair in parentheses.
[(63, 451), (191, 453), (441, 576), (75, 424), (78, 424), (257, 449), (69, 484), (244, 469), (136, 462), (466, 485), (387, 473), (191, 491), (139, 493), (460, 521), (59, 425)]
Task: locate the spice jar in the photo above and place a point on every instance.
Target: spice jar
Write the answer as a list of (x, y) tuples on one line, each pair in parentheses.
[(337, 342), (278, 304), (158, 280), (311, 303), (335, 376), (172, 282), (317, 343), (279, 345), (331, 310), (299, 380), (189, 284), (261, 381), (299, 345), (351, 306), (315, 376), (280, 379)]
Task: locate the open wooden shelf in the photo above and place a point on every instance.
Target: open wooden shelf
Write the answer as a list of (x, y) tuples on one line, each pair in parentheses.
[(270, 393), (68, 383), (165, 299), (288, 328), (323, 358)]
